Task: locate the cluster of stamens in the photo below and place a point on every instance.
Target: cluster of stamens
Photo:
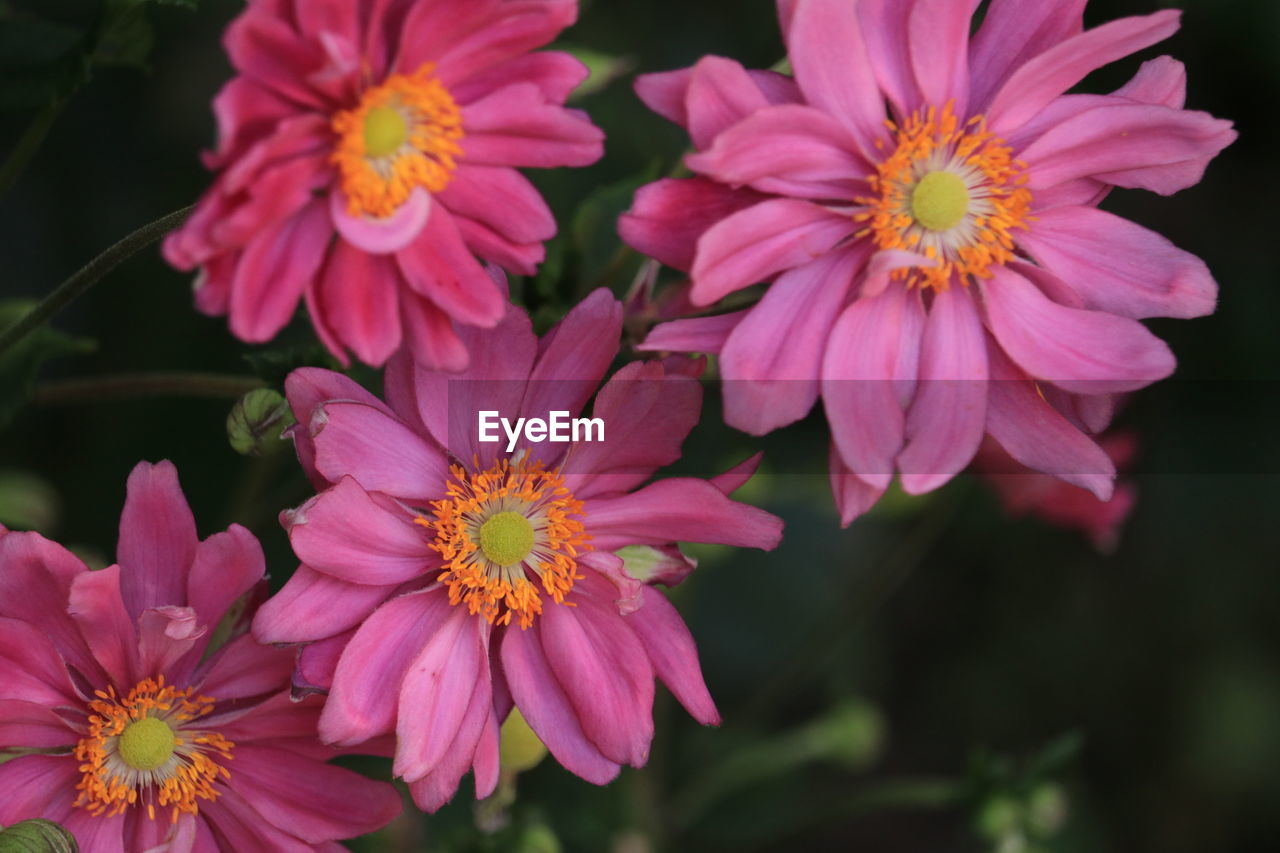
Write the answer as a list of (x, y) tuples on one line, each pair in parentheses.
[(508, 535), (949, 191), (138, 751), (403, 135)]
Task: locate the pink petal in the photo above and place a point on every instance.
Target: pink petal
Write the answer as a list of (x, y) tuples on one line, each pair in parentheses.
[(157, 539), (489, 245), (317, 662), (737, 476), (604, 671), (516, 126), (674, 655), (1119, 267), (1036, 435), (310, 799), (720, 94), (679, 510), (275, 268), (486, 765), (1130, 139), (32, 669), (382, 235), (1089, 352), (556, 74), (357, 300), (226, 566), (790, 150), (755, 244), (573, 357), (502, 199), (437, 787), (239, 826), (346, 533), (98, 609), (306, 388), (1012, 32), (165, 637), (1030, 89), (939, 33), (853, 495), (947, 418), (367, 682), (433, 338), (244, 109), (833, 67), (885, 30), (34, 587), (669, 216), (772, 360), (696, 334), (28, 725), (445, 685), (244, 668), (33, 783), (440, 267), (265, 48), (379, 451), (1161, 81), (868, 376), (313, 605)]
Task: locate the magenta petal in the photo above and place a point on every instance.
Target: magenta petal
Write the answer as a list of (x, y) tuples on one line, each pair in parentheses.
[(486, 764), (446, 683), (885, 30), (313, 605), (433, 339), (669, 216), (344, 532), (362, 703), (1089, 352), (35, 585), (939, 33), (30, 667), (357, 300), (32, 784), (386, 235), (378, 450), (308, 798), (306, 388), (502, 199), (1033, 86), (98, 609), (437, 787), (772, 360), (239, 826), (316, 664), (868, 376), (720, 93), (1119, 267), (440, 266), (679, 509), (245, 668), (542, 701), (557, 74), (157, 539), (165, 636), (854, 495), (516, 126), (948, 416), (274, 269), (226, 566), (264, 47), (674, 655), (754, 244), (604, 671), (573, 357), (833, 67), (28, 725), (695, 334), (737, 476), (1012, 32), (791, 150)]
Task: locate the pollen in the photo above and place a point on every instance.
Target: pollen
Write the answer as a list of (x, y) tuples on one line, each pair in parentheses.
[(510, 536), (403, 134), (949, 191), (146, 749)]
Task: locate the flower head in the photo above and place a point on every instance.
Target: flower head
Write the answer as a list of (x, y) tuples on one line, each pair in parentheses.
[(144, 714), (367, 164), (446, 580), (924, 205)]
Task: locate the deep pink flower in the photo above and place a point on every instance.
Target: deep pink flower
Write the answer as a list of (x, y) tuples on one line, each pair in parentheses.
[(367, 154), (925, 205), (1023, 492), (160, 723), (445, 580)]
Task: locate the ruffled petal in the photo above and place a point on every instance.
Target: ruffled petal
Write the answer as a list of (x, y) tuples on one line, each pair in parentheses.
[(673, 654), (157, 539), (679, 509)]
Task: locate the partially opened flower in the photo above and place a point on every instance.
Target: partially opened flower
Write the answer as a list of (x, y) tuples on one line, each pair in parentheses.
[(446, 579), (368, 155), (144, 714), (925, 205)]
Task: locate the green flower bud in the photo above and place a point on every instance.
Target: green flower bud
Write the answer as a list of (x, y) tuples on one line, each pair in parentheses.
[(37, 836), (257, 422)]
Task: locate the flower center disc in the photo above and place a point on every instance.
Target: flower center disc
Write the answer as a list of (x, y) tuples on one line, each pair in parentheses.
[(385, 130), (506, 538), (147, 743), (939, 201)]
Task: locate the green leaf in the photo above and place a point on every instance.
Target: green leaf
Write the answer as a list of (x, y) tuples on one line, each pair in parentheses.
[(595, 227), (20, 365), (37, 836)]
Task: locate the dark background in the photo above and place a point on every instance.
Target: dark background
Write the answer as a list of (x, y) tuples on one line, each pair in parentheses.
[(940, 644)]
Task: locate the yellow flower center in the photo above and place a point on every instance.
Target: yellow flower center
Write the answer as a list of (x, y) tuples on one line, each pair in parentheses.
[(402, 135), (141, 749), (949, 191), (508, 535), (939, 201), (147, 743)]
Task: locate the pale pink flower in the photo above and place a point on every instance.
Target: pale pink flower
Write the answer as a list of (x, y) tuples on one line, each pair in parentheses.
[(925, 205), (157, 723), (367, 154), (445, 580)]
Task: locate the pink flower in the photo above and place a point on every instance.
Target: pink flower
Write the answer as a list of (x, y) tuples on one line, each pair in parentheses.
[(367, 155), (926, 208), (1025, 492), (158, 722), (445, 580)]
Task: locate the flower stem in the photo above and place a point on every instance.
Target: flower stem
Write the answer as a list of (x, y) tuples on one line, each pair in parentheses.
[(132, 386), (89, 275), (16, 163)]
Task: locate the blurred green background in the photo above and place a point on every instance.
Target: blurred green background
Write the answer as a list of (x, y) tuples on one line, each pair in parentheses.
[(919, 682)]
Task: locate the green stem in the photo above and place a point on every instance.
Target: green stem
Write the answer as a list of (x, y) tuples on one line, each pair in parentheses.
[(132, 386), (89, 275), (16, 163)]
